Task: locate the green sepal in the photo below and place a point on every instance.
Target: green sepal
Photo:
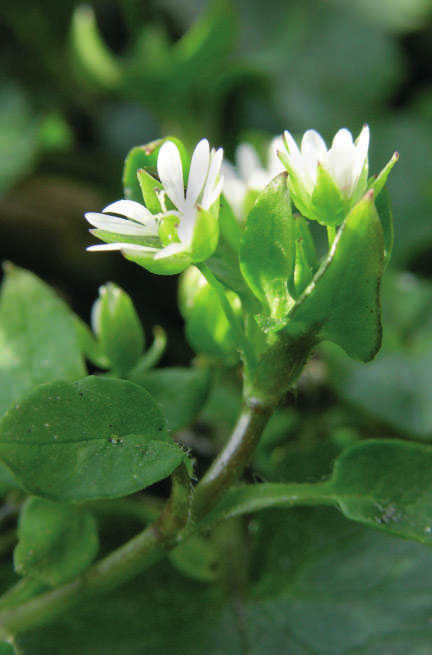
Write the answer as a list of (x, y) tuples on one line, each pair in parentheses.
[(166, 266), (112, 237), (118, 328), (206, 234), (145, 157), (328, 204), (149, 186), (168, 230), (299, 196), (378, 182), (267, 250), (56, 541), (306, 259), (342, 302), (383, 207)]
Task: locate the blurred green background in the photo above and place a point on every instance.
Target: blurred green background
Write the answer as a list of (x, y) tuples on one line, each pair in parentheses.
[(80, 85)]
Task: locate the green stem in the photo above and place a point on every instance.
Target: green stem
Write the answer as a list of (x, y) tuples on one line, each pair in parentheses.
[(253, 498), (120, 566), (231, 461), (232, 319)]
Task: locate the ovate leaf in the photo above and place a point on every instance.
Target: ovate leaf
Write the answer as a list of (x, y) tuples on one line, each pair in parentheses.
[(38, 339), (387, 484), (342, 302), (96, 438), (56, 541)]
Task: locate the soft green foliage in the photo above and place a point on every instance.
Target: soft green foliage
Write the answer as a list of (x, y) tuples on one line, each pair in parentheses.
[(367, 483), (180, 392), (96, 438), (38, 341), (310, 582), (213, 456), (342, 302), (56, 541)]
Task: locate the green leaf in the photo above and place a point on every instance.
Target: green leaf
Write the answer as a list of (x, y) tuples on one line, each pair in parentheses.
[(342, 302), (387, 485), (118, 327), (267, 252), (56, 541), (96, 438), (180, 392), (311, 583), (38, 340), (7, 649)]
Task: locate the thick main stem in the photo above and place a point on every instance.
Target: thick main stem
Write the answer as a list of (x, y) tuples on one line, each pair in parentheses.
[(231, 461)]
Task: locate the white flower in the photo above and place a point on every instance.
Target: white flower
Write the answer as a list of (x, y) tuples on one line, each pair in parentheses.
[(344, 161), (249, 174), (131, 228)]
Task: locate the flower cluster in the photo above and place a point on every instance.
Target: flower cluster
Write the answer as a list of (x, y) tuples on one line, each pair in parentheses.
[(183, 226)]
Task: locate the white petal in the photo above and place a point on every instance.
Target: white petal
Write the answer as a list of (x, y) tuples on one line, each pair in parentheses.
[(247, 161), (214, 194), (125, 247), (313, 146), (213, 185), (362, 147), (341, 160), (342, 140), (291, 145), (130, 209), (198, 171), (275, 165), (186, 225), (172, 249), (171, 173), (121, 225)]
